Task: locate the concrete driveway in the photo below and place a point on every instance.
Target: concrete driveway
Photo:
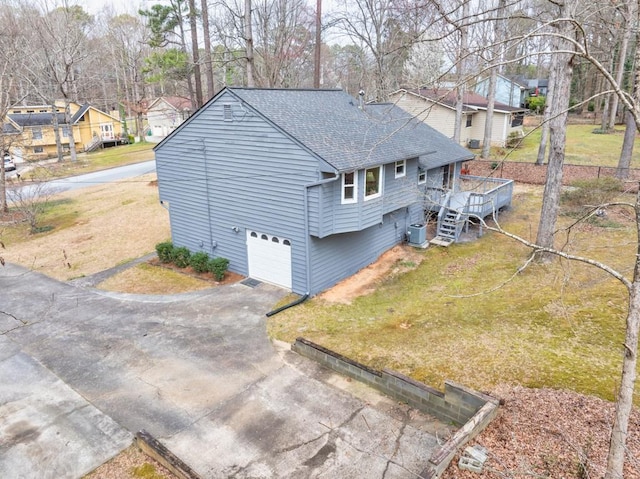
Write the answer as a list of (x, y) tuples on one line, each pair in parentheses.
[(81, 371)]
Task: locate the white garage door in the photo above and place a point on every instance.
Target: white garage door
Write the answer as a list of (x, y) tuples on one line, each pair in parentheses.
[(269, 258)]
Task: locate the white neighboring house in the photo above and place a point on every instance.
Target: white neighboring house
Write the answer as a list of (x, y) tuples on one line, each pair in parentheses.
[(437, 108), (166, 113)]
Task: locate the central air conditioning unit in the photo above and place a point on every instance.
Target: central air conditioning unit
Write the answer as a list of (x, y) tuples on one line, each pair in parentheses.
[(417, 234)]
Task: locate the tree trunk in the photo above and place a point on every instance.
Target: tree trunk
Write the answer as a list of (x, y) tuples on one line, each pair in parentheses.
[(208, 64), (627, 147), (318, 46), (4, 207), (195, 54), (488, 124), (248, 38), (460, 72), (604, 124), (72, 141), (624, 400), (546, 116), (622, 57), (56, 131), (557, 129), (493, 79)]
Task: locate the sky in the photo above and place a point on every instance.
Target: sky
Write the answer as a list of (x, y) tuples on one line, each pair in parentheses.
[(120, 6)]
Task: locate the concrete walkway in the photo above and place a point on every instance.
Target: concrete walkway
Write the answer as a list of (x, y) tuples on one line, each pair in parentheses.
[(80, 371)]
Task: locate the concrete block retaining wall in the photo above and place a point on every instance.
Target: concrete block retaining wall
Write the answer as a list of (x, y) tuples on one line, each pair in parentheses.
[(456, 405), (469, 409)]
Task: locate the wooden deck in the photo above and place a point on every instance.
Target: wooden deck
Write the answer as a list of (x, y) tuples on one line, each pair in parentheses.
[(476, 197)]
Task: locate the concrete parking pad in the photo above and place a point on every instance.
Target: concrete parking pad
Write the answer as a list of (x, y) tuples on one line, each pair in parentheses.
[(47, 430), (199, 373)]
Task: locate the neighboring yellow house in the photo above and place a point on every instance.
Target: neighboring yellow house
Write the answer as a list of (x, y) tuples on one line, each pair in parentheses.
[(92, 128), (437, 108)]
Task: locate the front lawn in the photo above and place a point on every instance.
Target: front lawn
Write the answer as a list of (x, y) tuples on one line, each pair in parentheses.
[(559, 325)]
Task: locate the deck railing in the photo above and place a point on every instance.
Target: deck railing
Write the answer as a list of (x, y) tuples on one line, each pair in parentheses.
[(488, 195)]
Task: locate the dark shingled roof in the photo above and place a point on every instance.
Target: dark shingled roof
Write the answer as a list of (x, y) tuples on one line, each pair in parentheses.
[(330, 123), (9, 129), (471, 101), (36, 119), (83, 109)]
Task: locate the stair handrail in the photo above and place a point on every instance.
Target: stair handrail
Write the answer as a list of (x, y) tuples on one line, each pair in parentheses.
[(446, 201), (93, 144)]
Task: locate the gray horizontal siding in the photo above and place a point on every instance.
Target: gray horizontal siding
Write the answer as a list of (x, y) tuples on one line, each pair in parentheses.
[(244, 174), (329, 216), (339, 256)]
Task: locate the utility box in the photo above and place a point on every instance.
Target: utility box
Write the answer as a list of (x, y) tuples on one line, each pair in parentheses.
[(474, 144), (417, 234)]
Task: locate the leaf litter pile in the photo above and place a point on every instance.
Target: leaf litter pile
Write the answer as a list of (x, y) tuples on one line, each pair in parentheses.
[(546, 433)]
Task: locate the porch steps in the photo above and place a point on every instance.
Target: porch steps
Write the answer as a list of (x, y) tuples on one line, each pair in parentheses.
[(447, 230), (95, 143)]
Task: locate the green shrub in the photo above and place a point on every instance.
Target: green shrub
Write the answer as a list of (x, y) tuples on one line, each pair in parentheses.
[(494, 165), (132, 139), (514, 140), (165, 251), (218, 266), (199, 262), (536, 103), (181, 257)]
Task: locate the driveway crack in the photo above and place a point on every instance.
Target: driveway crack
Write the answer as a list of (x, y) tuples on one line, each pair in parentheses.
[(396, 447)]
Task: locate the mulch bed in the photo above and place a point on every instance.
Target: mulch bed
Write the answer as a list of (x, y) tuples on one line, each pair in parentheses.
[(229, 276)]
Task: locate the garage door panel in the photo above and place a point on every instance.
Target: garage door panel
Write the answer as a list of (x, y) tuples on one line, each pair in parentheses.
[(269, 258)]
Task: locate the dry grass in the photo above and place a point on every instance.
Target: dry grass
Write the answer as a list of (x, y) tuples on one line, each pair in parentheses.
[(559, 325), (93, 229), (147, 279)]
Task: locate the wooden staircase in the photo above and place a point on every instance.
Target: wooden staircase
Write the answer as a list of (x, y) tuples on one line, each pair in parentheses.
[(95, 143), (447, 228)]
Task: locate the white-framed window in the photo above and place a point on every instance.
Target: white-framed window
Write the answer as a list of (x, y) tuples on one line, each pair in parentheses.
[(350, 187), (401, 168), (38, 149), (372, 182), (469, 121), (65, 131), (37, 133), (422, 176)]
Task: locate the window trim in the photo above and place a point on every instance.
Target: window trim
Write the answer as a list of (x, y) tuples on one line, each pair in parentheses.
[(403, 167), (469, 121), (422, 175), (378, 193), (353, 185), (36, 133)]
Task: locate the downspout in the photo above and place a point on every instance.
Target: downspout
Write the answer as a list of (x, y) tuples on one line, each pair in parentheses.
[(307, 245), (212, 244), (507, 123)]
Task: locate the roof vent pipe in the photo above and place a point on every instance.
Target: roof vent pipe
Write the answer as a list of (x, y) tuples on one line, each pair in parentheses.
[(361, 96)]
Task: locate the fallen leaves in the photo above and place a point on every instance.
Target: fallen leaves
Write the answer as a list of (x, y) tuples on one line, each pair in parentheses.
[(550, 433)]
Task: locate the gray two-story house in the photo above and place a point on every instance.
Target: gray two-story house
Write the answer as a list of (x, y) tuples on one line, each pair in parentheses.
[(300, 188)]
